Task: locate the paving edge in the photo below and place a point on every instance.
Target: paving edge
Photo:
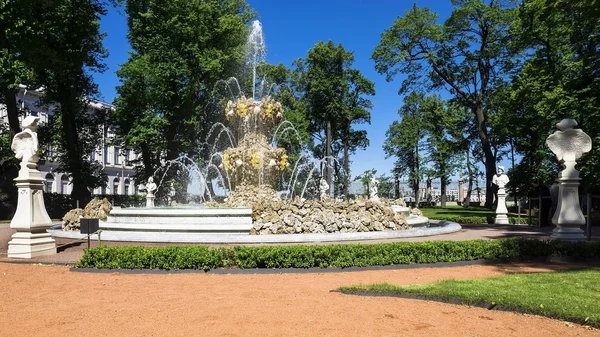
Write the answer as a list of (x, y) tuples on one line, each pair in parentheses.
[(337, 269)]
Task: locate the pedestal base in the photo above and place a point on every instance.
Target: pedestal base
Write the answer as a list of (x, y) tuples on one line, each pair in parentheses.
[(150, 201), (501, 219), (26, 245), (568, 233)]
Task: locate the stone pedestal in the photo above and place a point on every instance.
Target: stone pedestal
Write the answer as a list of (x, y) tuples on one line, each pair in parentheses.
[(568, 217), (501, 211), (568, 144), (150, 200), (461, 191), (31, 219)]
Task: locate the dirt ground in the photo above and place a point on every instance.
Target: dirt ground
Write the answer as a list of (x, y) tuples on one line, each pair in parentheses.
[(48, 300)]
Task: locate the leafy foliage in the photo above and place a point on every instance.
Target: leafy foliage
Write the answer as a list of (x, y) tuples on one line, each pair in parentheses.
[(404, 140), (334, 96), (468, 55), (181, 49), (560, 78)]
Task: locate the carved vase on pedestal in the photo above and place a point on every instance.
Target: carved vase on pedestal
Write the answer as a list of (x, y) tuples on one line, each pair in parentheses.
[(568, 144)]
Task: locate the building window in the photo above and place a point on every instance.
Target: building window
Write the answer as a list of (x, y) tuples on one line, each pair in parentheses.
[(127, 157), (93, 155), (116, 186), (48, 183), (64, 184), (126, 187), (117, 160), (105, 154), (103, 190)]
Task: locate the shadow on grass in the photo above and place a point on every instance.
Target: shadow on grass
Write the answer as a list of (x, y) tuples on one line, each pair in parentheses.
[(480, 304)]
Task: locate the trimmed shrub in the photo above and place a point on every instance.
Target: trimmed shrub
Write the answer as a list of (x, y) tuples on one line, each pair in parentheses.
[(344, 256)]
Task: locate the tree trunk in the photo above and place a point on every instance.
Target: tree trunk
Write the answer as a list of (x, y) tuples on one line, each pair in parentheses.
[(396, 187), (490, 159), (467, 200), (12, 111), (73, 155), (328, 157), (443, 192), (428, 196), (346, 169)]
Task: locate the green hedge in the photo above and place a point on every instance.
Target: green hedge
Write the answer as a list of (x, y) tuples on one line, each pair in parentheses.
[(58, 204), (352, 255)]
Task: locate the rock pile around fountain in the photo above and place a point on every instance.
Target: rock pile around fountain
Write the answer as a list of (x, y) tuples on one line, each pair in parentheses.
[(272, 215), (95, 209)]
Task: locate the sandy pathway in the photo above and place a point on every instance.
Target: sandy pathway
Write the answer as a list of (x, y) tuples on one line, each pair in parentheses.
[(38, 300)]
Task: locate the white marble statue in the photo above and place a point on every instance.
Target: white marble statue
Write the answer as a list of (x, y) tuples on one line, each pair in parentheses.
[(150, 186), (373, 188), (568, 144), (323, 188), (25, 143), (172, 193), (501, 179)]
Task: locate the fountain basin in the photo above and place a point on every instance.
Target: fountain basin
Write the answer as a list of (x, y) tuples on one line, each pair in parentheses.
[(435, 227), (186, 219)]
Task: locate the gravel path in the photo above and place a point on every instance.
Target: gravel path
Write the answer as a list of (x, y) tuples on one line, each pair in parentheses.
[(46, 300)]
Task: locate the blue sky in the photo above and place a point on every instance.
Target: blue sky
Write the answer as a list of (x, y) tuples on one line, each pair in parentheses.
[(290, 29)]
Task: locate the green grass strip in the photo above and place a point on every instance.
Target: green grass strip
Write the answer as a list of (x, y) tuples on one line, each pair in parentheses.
[(569, 295), (344, 256)]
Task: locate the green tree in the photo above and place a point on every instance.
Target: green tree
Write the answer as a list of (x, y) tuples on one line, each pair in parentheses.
[(333, 93), (439, 118), (356, 112), (180, 50), (404, 140), (365, 178), (68, 49), (559, 79), (466, 55)]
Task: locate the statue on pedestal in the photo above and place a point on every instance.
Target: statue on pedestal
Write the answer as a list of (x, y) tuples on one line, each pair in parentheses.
[(25, 143), (374, 185), (31, 219), (172, 193), (324, 189), (150, 188), (568, 144), (500, 180)]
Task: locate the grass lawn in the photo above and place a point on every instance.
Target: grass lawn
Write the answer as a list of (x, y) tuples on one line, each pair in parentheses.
[(570, 295), (461, 211), (467, 215)]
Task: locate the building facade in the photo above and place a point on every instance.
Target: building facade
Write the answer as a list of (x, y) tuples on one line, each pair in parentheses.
[(116, 162)]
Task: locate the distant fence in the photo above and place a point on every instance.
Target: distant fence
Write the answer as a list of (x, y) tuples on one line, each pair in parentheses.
[(586, 200)]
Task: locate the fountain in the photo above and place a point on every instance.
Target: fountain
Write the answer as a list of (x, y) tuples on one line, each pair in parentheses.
[(248, 169)]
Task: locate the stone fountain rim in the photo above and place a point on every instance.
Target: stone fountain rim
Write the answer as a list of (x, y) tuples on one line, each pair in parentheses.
[(439, 227)]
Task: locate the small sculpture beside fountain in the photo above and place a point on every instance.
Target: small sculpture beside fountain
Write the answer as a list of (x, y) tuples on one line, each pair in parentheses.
[(150, 188), (323, 189), (373, 189)]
